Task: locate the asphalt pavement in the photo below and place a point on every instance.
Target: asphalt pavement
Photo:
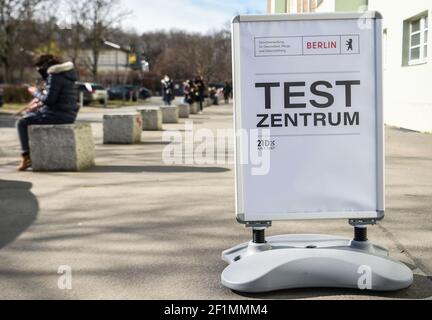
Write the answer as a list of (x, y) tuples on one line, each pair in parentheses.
[(136, 228)]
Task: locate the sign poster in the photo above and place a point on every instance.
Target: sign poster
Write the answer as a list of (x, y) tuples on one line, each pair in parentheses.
[(311, 86)]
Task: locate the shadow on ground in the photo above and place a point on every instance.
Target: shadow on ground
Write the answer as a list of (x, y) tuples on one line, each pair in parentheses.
[(18, 210), (161, 169), (144, 143), (7, 120), (157, 143)]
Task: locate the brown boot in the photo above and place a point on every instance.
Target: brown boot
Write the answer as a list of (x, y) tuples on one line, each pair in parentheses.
[(25, 163)]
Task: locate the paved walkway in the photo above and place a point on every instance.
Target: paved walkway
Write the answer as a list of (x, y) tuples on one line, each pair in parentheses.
[(133, 228)]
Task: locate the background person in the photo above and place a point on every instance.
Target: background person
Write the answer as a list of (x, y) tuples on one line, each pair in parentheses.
[(167, 90), (187, 91), (227, 90), (214, 96), (200, 89), (55, 105)]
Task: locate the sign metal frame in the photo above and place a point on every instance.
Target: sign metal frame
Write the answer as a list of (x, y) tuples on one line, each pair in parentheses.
[(376, 23)]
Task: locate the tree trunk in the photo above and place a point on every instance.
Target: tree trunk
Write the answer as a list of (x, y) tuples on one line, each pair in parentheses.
[(7, 72), (95, 64)]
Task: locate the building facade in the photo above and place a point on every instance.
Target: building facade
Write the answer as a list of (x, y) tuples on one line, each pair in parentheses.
[(407, 58), (292, 6), (110, 60), (407, 62)]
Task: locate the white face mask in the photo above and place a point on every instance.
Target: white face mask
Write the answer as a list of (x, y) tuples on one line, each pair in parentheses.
[(167, 78)]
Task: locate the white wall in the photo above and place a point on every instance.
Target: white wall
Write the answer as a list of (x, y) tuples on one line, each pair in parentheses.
[(110, 58), (107, 60), (408, 89)]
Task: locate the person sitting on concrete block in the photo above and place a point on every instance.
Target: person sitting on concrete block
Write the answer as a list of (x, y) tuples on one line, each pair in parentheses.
[(55, 105)]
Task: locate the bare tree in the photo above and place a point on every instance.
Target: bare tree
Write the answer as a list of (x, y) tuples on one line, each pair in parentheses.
[(102, 16), (184, 55), (75, 33), (32, 26), (13, 16)]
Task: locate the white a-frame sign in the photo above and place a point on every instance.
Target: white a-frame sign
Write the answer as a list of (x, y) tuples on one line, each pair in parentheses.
[(308, 106)]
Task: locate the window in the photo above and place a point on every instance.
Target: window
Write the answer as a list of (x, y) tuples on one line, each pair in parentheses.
[(418, 39)]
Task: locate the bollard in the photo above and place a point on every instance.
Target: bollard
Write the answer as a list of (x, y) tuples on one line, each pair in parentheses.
[(170, 114), (184, 110), (74, 147), (151, 118), (122, 128), (194, 108)]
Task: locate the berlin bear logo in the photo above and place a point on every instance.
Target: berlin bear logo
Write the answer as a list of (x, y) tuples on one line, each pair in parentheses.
[(349, 44)]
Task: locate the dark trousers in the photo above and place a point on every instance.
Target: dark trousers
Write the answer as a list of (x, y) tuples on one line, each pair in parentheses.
[(201, 100), (38, 118), (167, 99)]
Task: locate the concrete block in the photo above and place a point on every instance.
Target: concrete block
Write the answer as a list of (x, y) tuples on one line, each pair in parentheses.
[(207, 102), (184, 110), (62, 147), (151, 118), (194, 108), (170, 114), (123, 128)]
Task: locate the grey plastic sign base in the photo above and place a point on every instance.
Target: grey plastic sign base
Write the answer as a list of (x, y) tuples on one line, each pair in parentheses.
[(312, 261)]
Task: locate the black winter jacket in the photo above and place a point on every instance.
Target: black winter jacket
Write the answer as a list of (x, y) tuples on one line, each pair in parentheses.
[(60, 96)]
